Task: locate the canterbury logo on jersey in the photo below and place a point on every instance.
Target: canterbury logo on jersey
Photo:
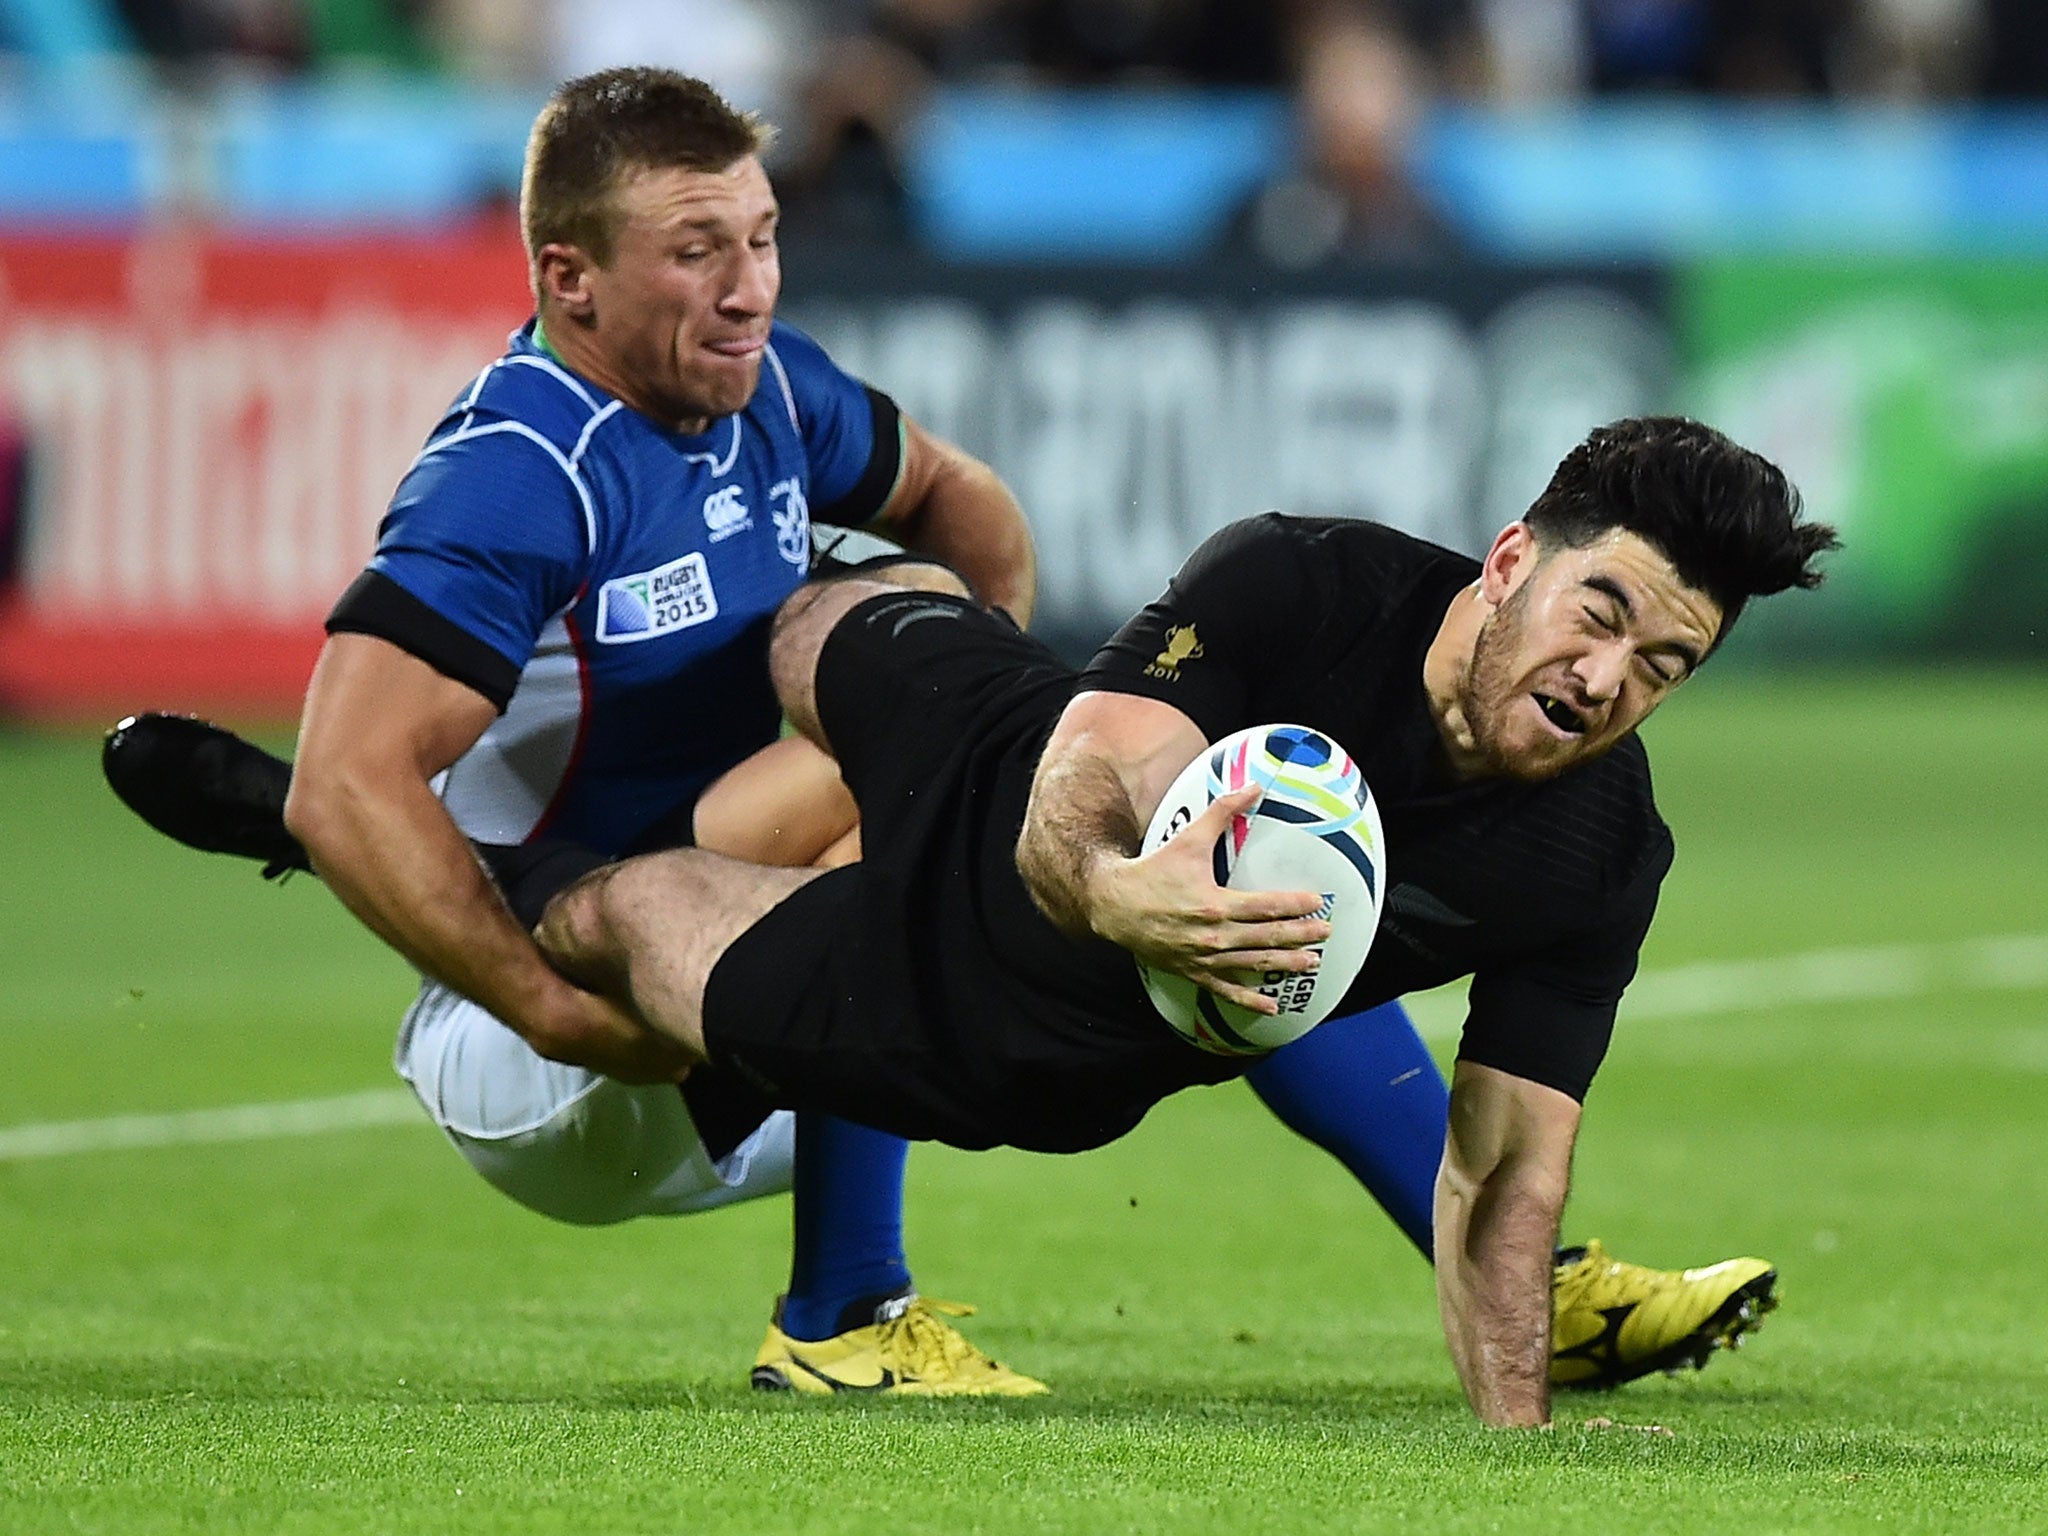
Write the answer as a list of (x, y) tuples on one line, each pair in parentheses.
[(669, 597), (725, 514)]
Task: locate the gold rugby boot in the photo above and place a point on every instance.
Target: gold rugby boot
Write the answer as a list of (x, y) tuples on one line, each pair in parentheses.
[(1613, 1321), (909, 1349)]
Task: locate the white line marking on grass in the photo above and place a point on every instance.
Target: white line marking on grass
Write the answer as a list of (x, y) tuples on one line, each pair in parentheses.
[(237, 1122), (2009, 962), (2018, 963)]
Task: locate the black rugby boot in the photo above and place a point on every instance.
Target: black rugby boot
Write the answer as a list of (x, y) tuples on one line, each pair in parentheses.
[(202, 785)]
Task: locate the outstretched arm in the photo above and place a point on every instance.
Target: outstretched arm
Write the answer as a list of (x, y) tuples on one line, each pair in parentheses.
[(951, 506), (1104, 770), (379, 724), (1499, 1197)]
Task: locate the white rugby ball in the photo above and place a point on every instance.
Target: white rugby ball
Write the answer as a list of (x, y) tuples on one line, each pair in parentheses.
[(1315, 828)]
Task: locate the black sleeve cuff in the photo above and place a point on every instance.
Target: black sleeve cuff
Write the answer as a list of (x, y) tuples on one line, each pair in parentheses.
[(885, 461), (376, 605)]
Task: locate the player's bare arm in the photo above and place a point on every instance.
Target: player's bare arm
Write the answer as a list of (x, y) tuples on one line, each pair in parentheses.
[(379, 724), (1500, 1193), (949, 505), (1106, 766)]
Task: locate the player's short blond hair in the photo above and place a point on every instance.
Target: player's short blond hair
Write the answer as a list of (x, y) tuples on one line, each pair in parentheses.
[(599, 129)]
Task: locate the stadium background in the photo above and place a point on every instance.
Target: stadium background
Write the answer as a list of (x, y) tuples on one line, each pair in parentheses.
[(1163, 262)]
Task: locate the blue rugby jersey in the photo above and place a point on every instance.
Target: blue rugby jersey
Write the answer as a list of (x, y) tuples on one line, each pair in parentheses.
[(608, 583)]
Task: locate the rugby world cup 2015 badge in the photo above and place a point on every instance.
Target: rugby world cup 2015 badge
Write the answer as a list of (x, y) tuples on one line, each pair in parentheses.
[(669, 597)]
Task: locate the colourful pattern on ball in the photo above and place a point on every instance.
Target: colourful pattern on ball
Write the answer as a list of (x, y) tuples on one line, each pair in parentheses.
[(1324, 793), (1307, 783)]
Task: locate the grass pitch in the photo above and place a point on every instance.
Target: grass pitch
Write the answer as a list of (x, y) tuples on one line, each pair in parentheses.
[(350, 1332)]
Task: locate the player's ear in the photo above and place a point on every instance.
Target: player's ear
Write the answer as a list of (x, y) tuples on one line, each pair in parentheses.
[(1508, 563), (561, 278)]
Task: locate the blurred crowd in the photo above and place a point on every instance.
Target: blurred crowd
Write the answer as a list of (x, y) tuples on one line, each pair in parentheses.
[(1512, 49), (847, 79)]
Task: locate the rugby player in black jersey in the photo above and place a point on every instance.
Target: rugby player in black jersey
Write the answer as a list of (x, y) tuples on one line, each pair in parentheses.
[(971, 980)]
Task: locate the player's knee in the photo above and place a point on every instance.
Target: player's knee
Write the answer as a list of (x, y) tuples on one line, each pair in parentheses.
[(803, 621), (807, 615), (616, 918), (575, 930), (921, 575)]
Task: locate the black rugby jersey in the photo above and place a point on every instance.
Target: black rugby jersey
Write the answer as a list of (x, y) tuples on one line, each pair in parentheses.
[(1542, 893)]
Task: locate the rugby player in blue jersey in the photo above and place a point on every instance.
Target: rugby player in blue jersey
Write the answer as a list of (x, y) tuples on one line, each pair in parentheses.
[(560, 645), (563, 631)]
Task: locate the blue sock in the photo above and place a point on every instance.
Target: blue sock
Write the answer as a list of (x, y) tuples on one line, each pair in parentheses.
[(848, 1252), (1365, 1089)]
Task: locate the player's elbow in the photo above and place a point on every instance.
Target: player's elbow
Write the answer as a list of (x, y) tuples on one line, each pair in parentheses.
[(323, 808), (307, 812), (1044, 880)]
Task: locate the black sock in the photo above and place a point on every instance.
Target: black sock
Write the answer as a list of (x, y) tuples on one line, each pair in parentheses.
[(529, 874)]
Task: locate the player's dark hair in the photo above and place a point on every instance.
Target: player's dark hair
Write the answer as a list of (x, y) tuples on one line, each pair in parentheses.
[(1726, 518), (598, 129)]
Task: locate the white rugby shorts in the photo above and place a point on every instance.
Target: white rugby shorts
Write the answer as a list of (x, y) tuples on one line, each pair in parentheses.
[(564, 1141)]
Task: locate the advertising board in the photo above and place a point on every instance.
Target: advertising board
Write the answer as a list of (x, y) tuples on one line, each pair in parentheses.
[(1909, 402), (1135, 412), (214, 424), (212, 429)]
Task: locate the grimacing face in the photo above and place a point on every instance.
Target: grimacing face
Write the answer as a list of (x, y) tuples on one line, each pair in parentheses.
[(680, 313), (1582, 645)]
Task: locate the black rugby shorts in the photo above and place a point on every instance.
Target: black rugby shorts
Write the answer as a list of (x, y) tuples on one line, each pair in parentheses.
[(908, 681), (928, 702)]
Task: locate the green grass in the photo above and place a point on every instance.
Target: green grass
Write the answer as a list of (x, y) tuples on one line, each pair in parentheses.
[(350, 1333)]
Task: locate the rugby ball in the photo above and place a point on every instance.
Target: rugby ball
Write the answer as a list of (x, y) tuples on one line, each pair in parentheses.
[(1313, 828)]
